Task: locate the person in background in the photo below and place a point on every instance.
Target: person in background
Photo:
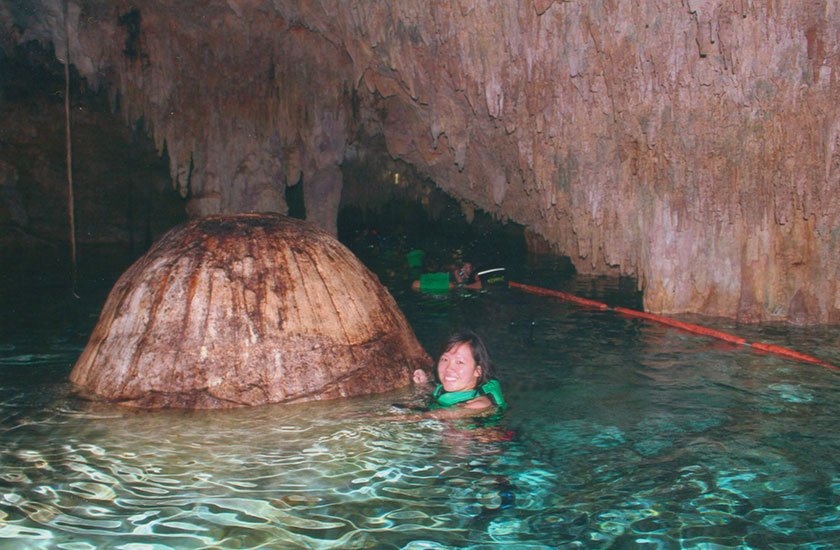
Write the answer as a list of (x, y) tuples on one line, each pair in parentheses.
[(460, 277)]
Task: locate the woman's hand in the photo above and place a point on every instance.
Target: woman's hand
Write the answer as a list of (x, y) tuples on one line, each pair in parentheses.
[(420, 377)]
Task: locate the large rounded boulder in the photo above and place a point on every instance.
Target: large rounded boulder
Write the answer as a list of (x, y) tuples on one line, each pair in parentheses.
[(248, 309)]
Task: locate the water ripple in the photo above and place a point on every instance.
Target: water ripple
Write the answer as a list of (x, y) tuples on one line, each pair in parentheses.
[(619, 435)]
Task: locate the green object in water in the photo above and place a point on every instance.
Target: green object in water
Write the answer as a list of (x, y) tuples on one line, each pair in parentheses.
[(434, 282), (415, 258), (492, 389)]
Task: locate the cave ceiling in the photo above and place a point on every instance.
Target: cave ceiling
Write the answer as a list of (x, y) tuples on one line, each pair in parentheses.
[(689, 144)]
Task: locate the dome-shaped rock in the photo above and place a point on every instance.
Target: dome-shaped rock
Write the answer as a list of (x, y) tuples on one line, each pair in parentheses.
[(248, 309)]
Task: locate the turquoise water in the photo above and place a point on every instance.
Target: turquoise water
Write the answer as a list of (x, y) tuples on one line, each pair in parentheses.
[(621, 434)]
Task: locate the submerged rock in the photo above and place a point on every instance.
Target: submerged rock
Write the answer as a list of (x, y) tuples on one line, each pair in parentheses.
[(248, 309)]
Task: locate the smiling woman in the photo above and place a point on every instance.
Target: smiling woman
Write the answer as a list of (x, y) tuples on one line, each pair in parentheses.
[(466, 376)]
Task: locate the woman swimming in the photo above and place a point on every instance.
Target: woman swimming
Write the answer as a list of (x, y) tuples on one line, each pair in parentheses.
[(467, 380)]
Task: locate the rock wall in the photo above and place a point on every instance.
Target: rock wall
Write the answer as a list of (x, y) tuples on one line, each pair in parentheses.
[(121, 186), (691, 144)]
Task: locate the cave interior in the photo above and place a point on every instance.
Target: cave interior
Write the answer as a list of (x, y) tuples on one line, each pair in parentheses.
[(689, 148), (124, 199)]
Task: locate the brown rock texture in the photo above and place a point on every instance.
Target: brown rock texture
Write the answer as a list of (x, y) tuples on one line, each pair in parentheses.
[(247, 309), (691, 144)]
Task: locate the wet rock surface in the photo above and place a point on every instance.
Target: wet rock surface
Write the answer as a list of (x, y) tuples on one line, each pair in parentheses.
[(248, 309)]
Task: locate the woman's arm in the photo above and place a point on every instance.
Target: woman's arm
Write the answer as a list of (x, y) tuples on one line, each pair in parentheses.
[(477, 403)]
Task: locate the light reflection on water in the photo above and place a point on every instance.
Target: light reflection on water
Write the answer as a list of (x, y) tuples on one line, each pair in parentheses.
[(621, 434), (311, 475)]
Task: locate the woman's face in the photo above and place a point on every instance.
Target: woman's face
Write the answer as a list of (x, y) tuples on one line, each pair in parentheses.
[(457, 370)]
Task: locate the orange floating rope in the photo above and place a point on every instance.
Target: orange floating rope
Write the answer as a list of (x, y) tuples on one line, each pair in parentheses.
[(779, 350), (688, 327), (561, 295)]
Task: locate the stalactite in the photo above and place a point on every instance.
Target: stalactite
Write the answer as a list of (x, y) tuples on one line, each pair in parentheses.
[(599, 116)]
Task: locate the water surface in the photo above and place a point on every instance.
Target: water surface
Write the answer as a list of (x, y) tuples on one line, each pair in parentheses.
[(621, 434)]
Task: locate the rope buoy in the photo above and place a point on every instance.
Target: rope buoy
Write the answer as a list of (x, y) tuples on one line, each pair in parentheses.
[(688, 327), (561, 295)]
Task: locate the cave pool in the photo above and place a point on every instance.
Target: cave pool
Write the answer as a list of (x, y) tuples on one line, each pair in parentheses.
[(621, 434)]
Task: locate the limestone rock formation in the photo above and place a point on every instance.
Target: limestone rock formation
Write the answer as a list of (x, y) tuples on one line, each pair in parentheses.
[(247, 309), (690, 144)]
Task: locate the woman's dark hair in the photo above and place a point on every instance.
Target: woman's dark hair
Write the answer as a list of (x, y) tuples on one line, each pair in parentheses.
[(479, 352)]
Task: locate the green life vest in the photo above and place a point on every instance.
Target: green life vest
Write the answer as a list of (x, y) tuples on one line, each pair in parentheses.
[(434, 282), (442, 399)]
